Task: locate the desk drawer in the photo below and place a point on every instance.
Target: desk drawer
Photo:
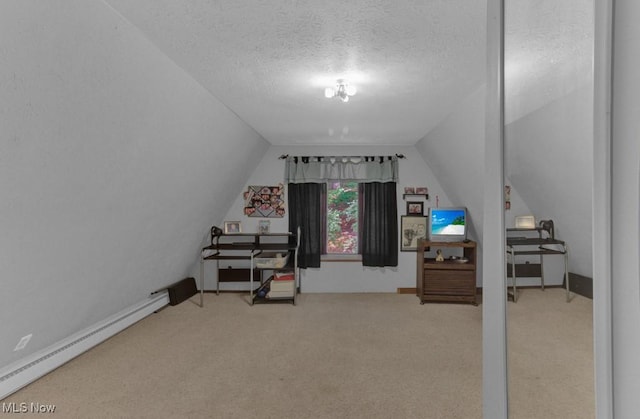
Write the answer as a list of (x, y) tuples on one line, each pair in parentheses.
[(525, 270), (237, 275), (446, 282)]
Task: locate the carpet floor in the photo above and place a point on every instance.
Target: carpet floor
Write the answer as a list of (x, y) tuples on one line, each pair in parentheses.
[(330, 356)]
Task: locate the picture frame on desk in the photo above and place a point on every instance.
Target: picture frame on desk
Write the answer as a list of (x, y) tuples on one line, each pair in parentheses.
[(232, 227), (412, 229), (264, 226)]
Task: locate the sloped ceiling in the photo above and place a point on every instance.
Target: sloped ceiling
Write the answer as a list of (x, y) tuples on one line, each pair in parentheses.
[(548, 52), (270, 60), (412, 61)]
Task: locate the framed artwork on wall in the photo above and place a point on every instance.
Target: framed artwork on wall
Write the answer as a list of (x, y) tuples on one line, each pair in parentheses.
[(507, 197), (264, 201), (415, 208), (412, 229)]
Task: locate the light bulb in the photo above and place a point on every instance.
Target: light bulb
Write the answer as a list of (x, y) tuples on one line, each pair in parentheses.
[(351, 90), (329, 92)]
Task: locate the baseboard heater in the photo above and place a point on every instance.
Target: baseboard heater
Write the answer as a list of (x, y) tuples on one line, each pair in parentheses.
[(29, 369)]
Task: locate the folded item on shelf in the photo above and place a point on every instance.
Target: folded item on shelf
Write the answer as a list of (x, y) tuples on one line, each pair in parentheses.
[(271, 260), (284, 276)]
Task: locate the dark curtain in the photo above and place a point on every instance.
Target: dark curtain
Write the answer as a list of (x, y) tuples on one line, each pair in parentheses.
[(305, 204), (379, 232)]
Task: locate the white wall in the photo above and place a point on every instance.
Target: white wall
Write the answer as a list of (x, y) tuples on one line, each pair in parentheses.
[(549, 162), (113, 165), (338, 276), (454, 150), (625, 210)]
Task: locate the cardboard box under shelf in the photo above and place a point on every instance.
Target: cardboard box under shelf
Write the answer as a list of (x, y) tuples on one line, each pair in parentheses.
[(279, 294), (282, 286)]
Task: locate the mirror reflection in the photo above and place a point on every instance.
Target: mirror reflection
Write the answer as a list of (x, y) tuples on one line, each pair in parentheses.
[(548, 211)]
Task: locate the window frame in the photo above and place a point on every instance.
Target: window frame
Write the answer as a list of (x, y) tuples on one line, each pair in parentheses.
[(340, 257)]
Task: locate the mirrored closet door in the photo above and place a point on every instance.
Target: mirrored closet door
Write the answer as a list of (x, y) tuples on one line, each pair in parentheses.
[(548, 151)]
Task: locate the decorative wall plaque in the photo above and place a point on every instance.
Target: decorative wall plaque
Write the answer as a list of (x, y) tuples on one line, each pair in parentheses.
[(264, 201)]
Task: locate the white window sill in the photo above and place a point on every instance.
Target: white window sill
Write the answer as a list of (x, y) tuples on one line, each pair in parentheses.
[(341, 258)]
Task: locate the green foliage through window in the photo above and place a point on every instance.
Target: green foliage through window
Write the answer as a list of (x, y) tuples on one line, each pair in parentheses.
[(342, 217)]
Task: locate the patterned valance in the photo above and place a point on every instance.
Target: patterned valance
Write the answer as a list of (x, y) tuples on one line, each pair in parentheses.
[(344, 168)]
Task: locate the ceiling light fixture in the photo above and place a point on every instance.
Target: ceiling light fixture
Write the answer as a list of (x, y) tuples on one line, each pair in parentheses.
[(342, 90)]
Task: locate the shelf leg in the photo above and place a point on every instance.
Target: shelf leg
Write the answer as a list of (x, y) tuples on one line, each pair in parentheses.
[(566, 272), (542, 272), (251, 280), (217, 277), (201, 281), (513, 275)]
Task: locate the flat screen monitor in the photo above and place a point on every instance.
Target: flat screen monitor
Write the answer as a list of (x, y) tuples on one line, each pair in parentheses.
[(448, 224)]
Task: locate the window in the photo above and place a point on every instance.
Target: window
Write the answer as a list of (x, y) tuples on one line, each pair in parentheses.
[(345, 208), (342, 216)]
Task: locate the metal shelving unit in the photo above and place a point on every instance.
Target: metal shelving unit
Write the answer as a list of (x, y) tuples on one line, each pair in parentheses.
[(248, 246), (532, 246)]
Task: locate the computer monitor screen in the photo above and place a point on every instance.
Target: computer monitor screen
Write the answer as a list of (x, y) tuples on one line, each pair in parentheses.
[(448, 224)]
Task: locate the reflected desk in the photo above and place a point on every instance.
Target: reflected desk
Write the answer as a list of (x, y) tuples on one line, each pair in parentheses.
[(531, 246)]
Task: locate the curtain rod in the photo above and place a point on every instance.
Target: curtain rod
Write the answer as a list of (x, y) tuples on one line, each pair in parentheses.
[(400, 156)]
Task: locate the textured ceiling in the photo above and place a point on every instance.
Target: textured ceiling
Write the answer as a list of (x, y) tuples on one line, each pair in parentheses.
[(548, 51), (270, 60)]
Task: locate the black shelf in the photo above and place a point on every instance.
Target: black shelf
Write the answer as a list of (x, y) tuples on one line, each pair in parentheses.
[(275, 246), (249, 246), (279, 300), (423, 195), (224, 257)]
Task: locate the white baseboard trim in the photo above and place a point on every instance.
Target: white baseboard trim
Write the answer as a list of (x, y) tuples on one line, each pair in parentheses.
[(27, 370)]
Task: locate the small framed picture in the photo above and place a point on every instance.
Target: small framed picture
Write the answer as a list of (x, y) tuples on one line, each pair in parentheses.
[(412, 229), (422, 190), (409, 190), (264, 226), (232, 227), (415, 208)]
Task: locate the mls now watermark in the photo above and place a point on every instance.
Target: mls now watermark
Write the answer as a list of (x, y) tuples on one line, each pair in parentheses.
[(25, 407)]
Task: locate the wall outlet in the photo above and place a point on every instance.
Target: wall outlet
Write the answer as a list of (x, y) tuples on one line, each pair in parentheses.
[(23, 342)]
